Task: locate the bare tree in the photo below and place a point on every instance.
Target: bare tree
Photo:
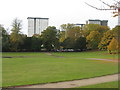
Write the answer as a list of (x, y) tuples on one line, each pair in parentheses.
[(115, 7)]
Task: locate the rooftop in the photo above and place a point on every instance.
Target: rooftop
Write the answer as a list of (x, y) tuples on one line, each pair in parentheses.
[(79, 24), (97, 20), (36, 18)]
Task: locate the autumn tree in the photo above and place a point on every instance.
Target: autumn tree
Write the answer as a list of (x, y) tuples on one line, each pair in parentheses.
[(90, 27), (74, 32), (113, 46), (71, 31), (93, 40), (116, 31), (62, 36), (106, 39), (66, 28), (94, 27)]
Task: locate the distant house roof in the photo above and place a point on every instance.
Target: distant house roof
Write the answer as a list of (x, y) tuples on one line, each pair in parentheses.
[(79, 24), (36, 18), (105, 20), (97, 20), (94, 20)]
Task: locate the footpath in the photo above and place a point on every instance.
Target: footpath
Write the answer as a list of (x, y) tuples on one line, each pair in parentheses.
[(76, 83)]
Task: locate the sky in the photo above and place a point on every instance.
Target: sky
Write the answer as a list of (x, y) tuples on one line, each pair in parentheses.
[(58, 11)]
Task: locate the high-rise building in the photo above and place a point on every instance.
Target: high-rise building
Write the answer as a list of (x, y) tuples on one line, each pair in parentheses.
[(36, 25), (100, 22)]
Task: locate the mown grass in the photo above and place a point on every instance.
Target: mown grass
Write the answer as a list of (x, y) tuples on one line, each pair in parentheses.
[(89, 54), (35, 68), (103, 85)]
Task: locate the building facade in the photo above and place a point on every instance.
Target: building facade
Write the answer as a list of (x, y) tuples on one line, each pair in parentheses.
[(36, 25), (80, 25), (100, 22)]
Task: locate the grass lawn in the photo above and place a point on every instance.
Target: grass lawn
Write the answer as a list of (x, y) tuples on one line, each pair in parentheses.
[(89, 54), (34, 68), (104, 85)]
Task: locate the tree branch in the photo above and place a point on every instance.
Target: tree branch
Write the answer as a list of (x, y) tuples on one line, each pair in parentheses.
[(99, 8), (105, 3)]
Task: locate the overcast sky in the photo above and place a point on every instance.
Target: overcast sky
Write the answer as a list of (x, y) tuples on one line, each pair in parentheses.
[(58, 11)]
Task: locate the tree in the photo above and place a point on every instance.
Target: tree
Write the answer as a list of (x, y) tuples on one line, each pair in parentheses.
[(116, 31), (94, 27), (68, 43), (36, 43), (93, 40), (74, 32), (106, 39), (26, 46), (113, 46), (71, 30), (91, 27), (62, 36), (5, 39), (16, 37), (66, 28), (50, 38), (80, 43)]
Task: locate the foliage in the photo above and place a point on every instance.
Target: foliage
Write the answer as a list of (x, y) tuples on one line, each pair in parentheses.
[(16, 26), (94, 27), (16, 38), (71, 31), (116, 40), (50, 38), (68, 43), (93, 40), (71, 37), (107, 37), (80, 43), (113, 46), (36, 43), (66, 27), (91, 27), (5, 39), (26, 46), (103, 29), (74, 32), (116, 31), (62, 36)]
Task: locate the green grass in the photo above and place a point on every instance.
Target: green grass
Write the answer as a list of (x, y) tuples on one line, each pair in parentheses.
[(35, 68), (103, 85), (89, 54)]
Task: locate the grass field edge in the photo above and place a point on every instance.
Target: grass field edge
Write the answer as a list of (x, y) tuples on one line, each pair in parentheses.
[(56, 81)]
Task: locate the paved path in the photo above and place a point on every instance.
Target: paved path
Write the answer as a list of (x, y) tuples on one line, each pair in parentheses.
[(112, 60), (76, 83)]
